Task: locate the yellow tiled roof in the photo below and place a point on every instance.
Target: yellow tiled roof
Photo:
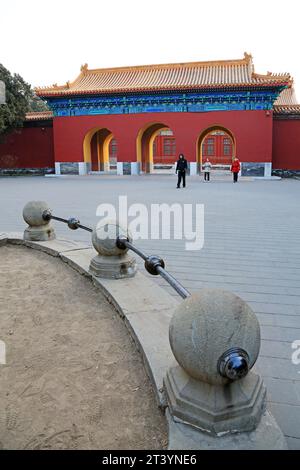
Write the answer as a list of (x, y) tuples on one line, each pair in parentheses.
[(287, 97), (286, 102), (39, 115), (192, 75), (287, 109)]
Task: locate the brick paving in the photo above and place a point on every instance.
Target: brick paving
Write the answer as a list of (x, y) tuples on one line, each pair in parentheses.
[(252, 247)]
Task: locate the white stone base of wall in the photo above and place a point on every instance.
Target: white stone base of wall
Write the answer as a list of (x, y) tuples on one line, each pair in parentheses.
[(256, 169), (69, 168), (83, 168), (119, 168), (252, 169), (193, 168), (135, 168), (57, 168), (128, 168)]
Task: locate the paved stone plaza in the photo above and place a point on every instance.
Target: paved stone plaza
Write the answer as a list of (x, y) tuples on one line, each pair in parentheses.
[(252, 235)]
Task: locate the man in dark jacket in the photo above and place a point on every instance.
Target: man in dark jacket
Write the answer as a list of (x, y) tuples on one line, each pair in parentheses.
[(181, 168)]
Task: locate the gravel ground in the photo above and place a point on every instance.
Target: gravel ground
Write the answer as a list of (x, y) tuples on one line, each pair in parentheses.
[(73, 377)]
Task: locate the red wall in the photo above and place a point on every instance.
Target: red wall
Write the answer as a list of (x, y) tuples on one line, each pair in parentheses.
[(252, 130), (33, 147), (29, 147), (286, 144)]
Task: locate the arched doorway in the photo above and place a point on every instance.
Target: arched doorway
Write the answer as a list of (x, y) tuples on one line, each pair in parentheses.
[(156, 146), (100, 150), (218, 144)]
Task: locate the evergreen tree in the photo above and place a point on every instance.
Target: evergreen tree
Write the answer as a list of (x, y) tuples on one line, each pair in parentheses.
[(36, 104), (20, 99)]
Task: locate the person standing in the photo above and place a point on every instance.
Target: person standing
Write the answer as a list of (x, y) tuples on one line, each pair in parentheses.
[(181, 168), (235, 168), (207, 169)]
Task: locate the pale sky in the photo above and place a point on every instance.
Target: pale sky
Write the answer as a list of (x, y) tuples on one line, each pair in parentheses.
[(47, 41)]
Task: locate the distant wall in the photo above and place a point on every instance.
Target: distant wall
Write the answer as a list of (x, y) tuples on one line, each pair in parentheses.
[(28, 147), (33, 145), (286, 144)]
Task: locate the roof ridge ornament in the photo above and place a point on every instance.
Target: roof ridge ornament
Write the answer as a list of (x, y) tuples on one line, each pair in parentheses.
[(249, 60), (84, 68), (248, 57)]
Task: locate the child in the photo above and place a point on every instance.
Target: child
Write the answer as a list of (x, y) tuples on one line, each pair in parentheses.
[(207, 168)]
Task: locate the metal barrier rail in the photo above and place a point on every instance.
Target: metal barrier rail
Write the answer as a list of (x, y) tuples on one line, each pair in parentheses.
[(153, 264), (72, 223)]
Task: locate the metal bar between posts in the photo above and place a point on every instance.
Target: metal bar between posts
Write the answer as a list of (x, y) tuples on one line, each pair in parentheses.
[(72, 223), (153, 264), (173, 283), (133, 248)]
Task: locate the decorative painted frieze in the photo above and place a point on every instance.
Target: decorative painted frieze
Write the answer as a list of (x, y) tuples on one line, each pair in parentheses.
[(192, 102)]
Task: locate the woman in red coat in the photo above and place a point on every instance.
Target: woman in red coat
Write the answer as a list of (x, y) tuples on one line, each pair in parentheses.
[(235, 168)]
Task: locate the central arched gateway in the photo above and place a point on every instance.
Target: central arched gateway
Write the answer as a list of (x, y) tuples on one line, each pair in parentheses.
[(218, 144), (98, 145), (144, 144)]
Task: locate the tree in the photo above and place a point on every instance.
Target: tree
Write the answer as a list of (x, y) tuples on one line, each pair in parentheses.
[(20, 99), (36, 104)]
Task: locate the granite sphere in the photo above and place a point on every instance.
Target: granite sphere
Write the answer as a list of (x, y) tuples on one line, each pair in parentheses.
[(205, 326)]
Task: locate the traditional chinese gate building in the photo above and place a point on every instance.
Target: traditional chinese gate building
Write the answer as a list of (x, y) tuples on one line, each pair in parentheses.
[(129, 118)]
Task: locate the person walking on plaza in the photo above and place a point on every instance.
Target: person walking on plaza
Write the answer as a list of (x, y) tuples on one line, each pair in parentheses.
[(207, 169), (181, 168), (235, 168)]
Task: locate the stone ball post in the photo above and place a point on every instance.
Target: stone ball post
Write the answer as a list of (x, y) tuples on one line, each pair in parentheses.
[(104, 238), (111, 261), (39, 228), (212, 330), (212, 395)]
